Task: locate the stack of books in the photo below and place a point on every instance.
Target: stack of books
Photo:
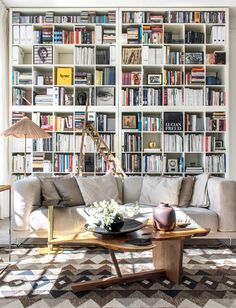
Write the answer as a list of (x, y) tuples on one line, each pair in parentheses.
[(154, 18), (44, 99), (216, 122), (39, 164), (109, 36), (195, 76), (79, 120), (152, 34), (21, 78), (83, 78), (194, 169), (49, 17), (134, 35)]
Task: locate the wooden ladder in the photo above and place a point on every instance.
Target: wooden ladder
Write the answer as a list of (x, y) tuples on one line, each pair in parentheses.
[(101, 146)]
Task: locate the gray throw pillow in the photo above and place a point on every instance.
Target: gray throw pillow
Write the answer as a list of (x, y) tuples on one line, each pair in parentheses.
[(69, 191), (200, 195), (98, 188), (186, 191)]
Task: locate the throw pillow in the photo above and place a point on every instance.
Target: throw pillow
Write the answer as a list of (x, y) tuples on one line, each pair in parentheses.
[(49, 191), (69, 191), (160, 189), (200, 195), (186, 191), (98, 188)]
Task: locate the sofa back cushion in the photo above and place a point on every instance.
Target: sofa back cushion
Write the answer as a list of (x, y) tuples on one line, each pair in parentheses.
[(186, 191), (98, 188), (132, 188), (200, 193), (160, 189)]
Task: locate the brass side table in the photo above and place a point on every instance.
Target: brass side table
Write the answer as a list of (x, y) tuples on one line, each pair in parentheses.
[(5, 188)]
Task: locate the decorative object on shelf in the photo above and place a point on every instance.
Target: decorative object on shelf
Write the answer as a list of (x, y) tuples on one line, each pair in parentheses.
[(152, 144), (172, 165), (109, 215), (155, 79), (25, 128), (129, 121), (81, 98), (194, 57), (164, 217), (43, 55)]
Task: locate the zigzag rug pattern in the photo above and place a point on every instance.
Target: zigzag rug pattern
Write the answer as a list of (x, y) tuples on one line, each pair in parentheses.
[(42, 281)]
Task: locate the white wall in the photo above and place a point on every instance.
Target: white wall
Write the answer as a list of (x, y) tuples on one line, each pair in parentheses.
[(232, 99)]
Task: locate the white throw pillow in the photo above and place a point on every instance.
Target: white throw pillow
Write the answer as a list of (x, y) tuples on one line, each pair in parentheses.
[(98, 188), (200, 195), (160, 189)]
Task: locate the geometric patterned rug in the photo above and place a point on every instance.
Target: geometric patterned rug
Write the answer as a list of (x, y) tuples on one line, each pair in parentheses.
[(43, 281)]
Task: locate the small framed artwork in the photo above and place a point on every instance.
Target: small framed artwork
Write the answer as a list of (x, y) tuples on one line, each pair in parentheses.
[(194, 58), (155, 79), (43, 55), (129, 121), (219, 144)]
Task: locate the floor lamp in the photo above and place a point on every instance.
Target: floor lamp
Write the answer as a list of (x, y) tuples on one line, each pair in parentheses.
[(26, 129)]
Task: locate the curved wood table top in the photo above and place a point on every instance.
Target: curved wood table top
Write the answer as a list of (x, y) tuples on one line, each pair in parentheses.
[(119, 243)]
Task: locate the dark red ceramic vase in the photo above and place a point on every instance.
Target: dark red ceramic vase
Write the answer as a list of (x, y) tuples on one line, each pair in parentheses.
[(164, 217)]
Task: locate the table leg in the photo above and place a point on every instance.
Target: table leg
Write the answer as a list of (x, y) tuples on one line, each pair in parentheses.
[(168, 255), (9, 256), (50, 227)]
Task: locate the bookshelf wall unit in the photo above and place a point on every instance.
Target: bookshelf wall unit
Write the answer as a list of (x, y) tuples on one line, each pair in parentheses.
[(156, 79)]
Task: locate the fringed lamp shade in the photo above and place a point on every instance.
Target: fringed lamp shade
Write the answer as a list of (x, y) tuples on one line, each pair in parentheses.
[(25, 128)]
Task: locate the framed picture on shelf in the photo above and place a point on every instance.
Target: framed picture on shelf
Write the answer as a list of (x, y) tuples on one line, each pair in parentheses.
[(129, 121), (219, 145), (155, 79), (43, 54)]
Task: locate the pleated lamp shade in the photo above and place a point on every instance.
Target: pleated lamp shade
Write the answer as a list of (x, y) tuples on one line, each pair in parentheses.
[(25, 128)]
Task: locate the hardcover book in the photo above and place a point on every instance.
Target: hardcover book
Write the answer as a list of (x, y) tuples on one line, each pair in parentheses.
[(173, 121)]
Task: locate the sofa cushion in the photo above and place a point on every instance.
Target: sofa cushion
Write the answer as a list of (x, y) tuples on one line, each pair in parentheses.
[(132, 186), (200, 217), (160, 189), (186, 191), (98, 188), (69, 191), (200, 194), (67, 220)]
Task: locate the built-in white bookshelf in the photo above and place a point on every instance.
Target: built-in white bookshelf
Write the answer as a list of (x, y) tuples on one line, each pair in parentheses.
[(136, 67)]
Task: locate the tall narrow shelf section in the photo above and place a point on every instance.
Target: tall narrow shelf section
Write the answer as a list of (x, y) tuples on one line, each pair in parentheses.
[(156, 80), (58, 60), (174, 91)]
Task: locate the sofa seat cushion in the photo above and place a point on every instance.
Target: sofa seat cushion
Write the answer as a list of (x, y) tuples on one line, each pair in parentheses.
[(200, 216), (66, 220)]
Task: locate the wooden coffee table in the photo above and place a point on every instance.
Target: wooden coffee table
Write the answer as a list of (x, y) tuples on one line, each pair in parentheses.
[(167, 250)]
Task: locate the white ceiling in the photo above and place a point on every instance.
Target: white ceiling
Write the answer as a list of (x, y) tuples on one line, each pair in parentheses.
[(122, 3)]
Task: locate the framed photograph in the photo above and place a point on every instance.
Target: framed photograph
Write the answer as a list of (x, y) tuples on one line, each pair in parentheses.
[(129, 121), (43, 54), (194, 58), (219, 144), (155, 79)]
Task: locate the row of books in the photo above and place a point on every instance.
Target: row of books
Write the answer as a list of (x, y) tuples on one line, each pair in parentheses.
[(154, 163), (18, 163), (193, 37), (83, 35), (22, 35), (194, 122), (133, 35), (106, 56), (63, 97), (105, 76), (84, 56), (131, 163), (105, 123), (42, 145), (173, 57), (171, 38), (217, 57), (152, 96), (105, 35), (83, 78), (132, 142), (173, 143), (173, 97), (152, 55), (194, 143), (51, 17), (216, 122), (65, 143), (215, 163), (172, 77), (132, 97), (63, 163), (21, 78), (218, 35), (213, 144), (194, 97), (20, 97), (215, 97), (42, 79), (152, 34), (64, 37), (43, 36), (174, 17), (131, 55), (151, 123), (63, 123), (131, 78), (42, 120)]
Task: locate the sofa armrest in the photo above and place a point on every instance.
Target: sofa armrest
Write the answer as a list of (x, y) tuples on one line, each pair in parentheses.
[(26, 197), (222, 196)]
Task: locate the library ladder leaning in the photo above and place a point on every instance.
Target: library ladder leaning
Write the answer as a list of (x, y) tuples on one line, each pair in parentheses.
[(102, 148)]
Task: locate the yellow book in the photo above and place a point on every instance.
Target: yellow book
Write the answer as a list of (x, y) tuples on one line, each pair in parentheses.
[(64, 76)]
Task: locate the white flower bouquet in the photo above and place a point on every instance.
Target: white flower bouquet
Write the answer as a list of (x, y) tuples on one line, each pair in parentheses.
[(109, 215)]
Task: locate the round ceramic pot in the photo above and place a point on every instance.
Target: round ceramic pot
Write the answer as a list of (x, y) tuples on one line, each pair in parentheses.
[(116, 225), (164, 217)]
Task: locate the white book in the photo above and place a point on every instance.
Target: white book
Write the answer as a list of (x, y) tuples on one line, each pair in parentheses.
[(16, 34), (112, 55), (145, 55), (98, 35), (124, 38), (23, 34), (17, 55), (29, 35), (223, 35)]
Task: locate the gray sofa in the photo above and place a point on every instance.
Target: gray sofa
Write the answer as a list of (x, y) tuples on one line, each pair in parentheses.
[(30, 219)]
